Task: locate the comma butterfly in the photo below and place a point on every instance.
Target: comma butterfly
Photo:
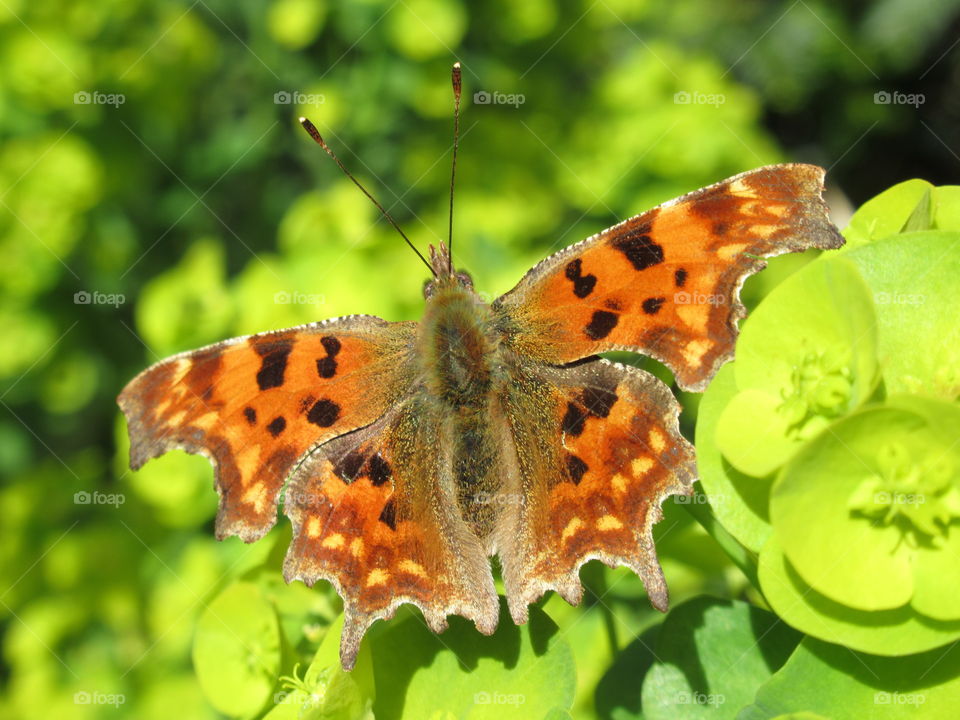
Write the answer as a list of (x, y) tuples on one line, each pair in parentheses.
[(409, 453)]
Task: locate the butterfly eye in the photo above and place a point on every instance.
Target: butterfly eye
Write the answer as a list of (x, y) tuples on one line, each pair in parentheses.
[(465, 280)]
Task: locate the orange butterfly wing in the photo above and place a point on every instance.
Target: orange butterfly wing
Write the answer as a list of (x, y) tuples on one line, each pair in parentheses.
[(375, 512), (666, 283), (598, 450), (256, 405)]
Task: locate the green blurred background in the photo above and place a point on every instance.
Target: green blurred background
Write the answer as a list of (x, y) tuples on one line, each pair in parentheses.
[(157, 194)]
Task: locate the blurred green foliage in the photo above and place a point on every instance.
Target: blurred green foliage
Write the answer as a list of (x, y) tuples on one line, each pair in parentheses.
[(156, 194)]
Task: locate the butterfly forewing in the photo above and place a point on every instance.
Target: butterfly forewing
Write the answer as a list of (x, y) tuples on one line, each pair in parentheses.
[(665, 283), (256, 405)]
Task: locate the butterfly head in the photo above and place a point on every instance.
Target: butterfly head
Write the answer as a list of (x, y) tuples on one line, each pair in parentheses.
[(444, 276)]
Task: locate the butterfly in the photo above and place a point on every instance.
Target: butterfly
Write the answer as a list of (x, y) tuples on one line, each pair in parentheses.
[(406, 454)]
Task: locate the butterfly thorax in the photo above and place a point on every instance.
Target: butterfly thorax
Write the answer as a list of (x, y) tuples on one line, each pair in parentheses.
[(456, 346)]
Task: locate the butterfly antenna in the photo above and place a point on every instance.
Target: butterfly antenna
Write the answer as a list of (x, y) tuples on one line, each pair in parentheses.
[(317, 138), (455, 76)]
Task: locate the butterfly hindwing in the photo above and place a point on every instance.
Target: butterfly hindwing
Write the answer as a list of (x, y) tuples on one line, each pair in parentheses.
[(666, 283), (375, 512), (598, 451), (256, 405)]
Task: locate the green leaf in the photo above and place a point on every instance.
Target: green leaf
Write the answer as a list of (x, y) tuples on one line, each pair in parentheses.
[(947, 207), (886, 214), (757, 448), (712, 656), (236, 651), (326, 691), (523, 672), (922, 216), (912, 278), (445, 19), (188, 305), (885, 632), (847, 558), (295, 23), (619, 692), (807, 354), (827, 680), (739, 501)]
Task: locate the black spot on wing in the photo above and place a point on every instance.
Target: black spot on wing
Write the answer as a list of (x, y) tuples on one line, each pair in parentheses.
[(574, 420), (388, 516), (680, 277), (349, 466), (582, 284), (378, 470), (652, 305), (640, 250), (277, 426), (601, 324), (251, 415), (598, 401), (273, 365), (324, 413), (331, 345), (576, 468), (326, 367)]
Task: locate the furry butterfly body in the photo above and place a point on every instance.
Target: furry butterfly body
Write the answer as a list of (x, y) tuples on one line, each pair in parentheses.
[(408, 453)]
